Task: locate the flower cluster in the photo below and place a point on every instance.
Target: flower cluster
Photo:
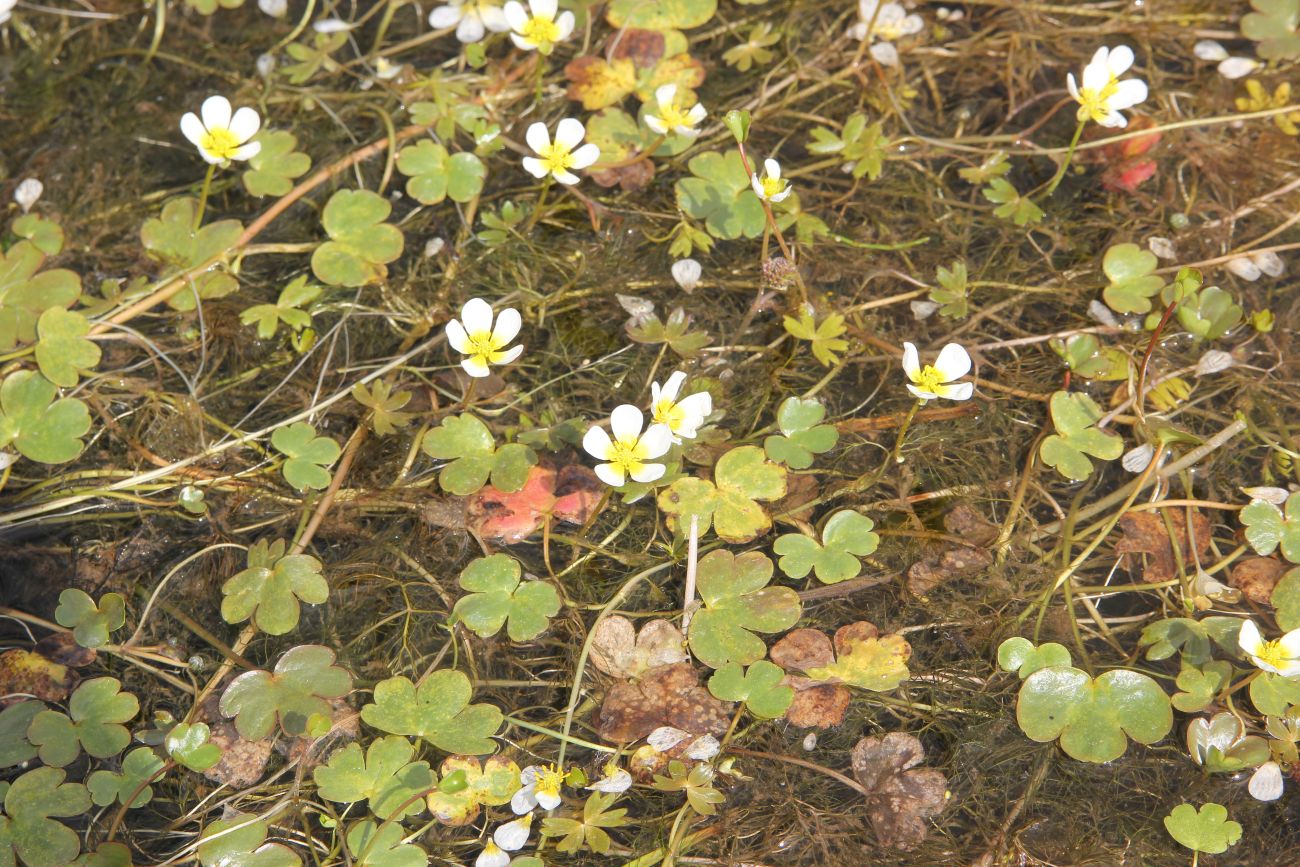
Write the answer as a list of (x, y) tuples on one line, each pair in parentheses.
[(632, 453)]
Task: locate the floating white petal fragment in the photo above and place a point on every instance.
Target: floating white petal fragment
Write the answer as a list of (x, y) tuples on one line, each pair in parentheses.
[(1266, 783), (1237, 67), (923, 309), (1137, 459), (28, 193), (1214, 361), (1276, 496), (687, 274), (1209, 50), (1162, 247)]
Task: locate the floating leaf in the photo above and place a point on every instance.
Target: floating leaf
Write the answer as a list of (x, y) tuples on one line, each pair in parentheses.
[(1210, 313), (995, 165), (268, 591), (38, 426), (93, 722), (1190, 637), (845, 537), (139, 767), (756, 50), (361, 244), (862, 146), (300, 687), (952, 294), (27, 829), (489, 784), (172, 239), (436, 175), (875, 663), (662, 15), (498, 598), (802, 434), (90, 623), (719, 193), (824, 336), (729, 503), (14, 721), (759, 687), (26, 294), (1083, 355), (1075, 415), (374, 845), (385, 776), (675, 332), (308, 455), (1092, 716), (239, 840), (383, 404), (312, 58), (46, 235), (467, 443), (619, 137), (1285, 600), (902, 796), (695, 782), (1273, 694), (1132, 281), (438, 711), (737, 603), (286, 309), (1220, 744), (188, 744), (1268, 527), (1275, 25), (1021, 656), (1206, 830), (63, 353), (273, 169), (1012, 206)]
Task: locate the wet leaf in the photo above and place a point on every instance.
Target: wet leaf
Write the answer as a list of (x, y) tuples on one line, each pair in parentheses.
[(1092, 716), (384, 406), (312, 58), (63, 353), (759, 687), (374, 845), (1190, 637), (756, 50), (25, 294), (729, 503), (31, 673), (171, 238), (385, 776), (1210, 313), (489, 784), (299, 688), (28, 830), (239, 840), (268, 591), (618, 649), (189, 746), (1268, 527), (1275, 25), (1220, 744), (467, 443), (1084, 355), (41, 427), (824, 336), (802, 434), (1012, 206), (1256, 578), (361, 244), (14, 721), (599, 83), (1021, 656), (862, 146), (308, 455), (498, 598), (1286, 601), (1149, 551), (619, 136), (668, 695), (719, 193), (675, 332), (436, 175), (846, 536), (1206, 830), (589, 830), (107, 855), (903, 796), (1132, 281), (438, 711), (1273, 694), (1074, 414), (286, 309), (663, 15), (93, 723), (89, 621), (737, 602), (695, 782), (876, 664), (951, 296), (45, 235), (273, 169), (109, 787)]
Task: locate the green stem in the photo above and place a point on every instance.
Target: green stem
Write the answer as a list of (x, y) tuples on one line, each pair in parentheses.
[(541, 202), (902, 431), (203, 195), (1065, 163)]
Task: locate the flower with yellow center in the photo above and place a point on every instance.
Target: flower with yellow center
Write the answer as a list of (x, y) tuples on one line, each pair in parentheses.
[(538, 28), (482, 344), (471, 18), (1102, 95), (937, 380), (558, 159), (221, 136), (630, 452), (682, 417), (771, 187), (541, 787), (492, 856), (671, 118), (616, 780), (1281, 656)]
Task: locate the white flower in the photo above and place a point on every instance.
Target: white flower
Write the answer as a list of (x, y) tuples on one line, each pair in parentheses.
[(514, 834), (471, 18), (771, 187), (1103, 95), (540, 30), (28, 193), (1280, 657), (687, 274), (274, 8), (615, 780), (558, 159), (937, 380), (1208, 49), (670, 118), (1233, 68), (474, 336), (891, 23), (219, 136), (1266, 783), (682, 417), (541, 788), (6, 9), (629, 453), (492, 856)]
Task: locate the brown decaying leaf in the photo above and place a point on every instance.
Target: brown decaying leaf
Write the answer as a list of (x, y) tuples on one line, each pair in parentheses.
[(631, 177), (62, 648), (669, 695), (817, 704), (25, 673), (1146, 546), (242, 761), (568, 495), (618, 650), (1256, 577), (644, 48), (949, 561), (902, 795)]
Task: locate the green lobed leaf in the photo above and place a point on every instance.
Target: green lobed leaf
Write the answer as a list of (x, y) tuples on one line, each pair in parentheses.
[(385, 776), (15, 719), (498, 598), (1021, 656), (1132, 281), (90, 623), (41, 427), (846, 536), (25, 294), (308, 455), (188, 744), (272, 171), (759, 687), (374, 845), (729, 503), (438, 711), (28, 830), (719, 193), (300, 688), (268, 591), (45, 235), (802, 433), (467, 443), (268, 317), (1074, 415), (109, 787), (436, 175), (63, 354), (1092, 716), (1206, 830), (93, 722), (1268, 527), (239, 840), (172, 239), (361, 244), (737, 602)]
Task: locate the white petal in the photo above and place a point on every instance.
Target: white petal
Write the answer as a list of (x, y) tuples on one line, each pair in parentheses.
[(476, 316), (457, 339), (446, 16), (544, 8), (521, 43), (610, 475), (911, 361), (1129, 93), (1290, 644), (246, 151), (885, 54), (1249, 639), (697, 113), (528, 776), (516, 15), (772, 168), (507, 327), (1138, 458), (673, 386), (756, 185), (697, 405), (492, 856), (656, 441), (535, 167), (585, 156), (1208, 49), (29, 191), (537, 137), (565, 24), (648, 473), (703, 748), (192, 128), (923, 395), (656, 124), (215, 112), (687, 274), (494, 18), (911, 24), (510, 354), (474, 367), (245, 124), (619, 781), (960, 391), (953, 362), (548, 801), (1119, 60), (597, 443), (1072, 85), (514, 834), (470, 29), (1096, 74), (1244, 268), (1114, 120), (565, 177), (569, 132), (523, 800), (664, 738), (1236, 67), (664, 95), (1266, 783), (1269, 262), (626, 422)]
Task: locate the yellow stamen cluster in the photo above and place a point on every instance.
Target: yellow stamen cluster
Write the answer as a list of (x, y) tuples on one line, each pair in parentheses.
[(556, 157), (1093, 103), (1271, 652), (772, 187), (667, 412), (929, 379), (220, 143), (541, 31)]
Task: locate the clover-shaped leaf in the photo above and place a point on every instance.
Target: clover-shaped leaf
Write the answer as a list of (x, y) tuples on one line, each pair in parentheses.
[(1132, 281), (286, 309), (1206, 830), (14, 722), (90, 622), (802, 433), (384, 406), (468, 785), (1275, 25), (93, 722), (1272, 694), (374, 845), (760, 688), (36, 424), (27, 830), (1191, 638), (64, 353), (361, 244), (737, 603), (438, 711), (824, 336), (719, 193), (498, 598), (138, 768), (877, 663), (26, 294), (46, 235), (239, 840), (1092, 716), (729, 502), (1286, 601), (1084, 355), (1200, 685), (308, 455), (268, 591), (675, 332), (107, 855), (272, 170), (467, 443), (300, 688), (1268, 527), (1076, 437), (1021, 656), (385, 776), (189, 746), (172, 239), (1012, 206), (862, 145), (312, 58), (845, 537), (436, 175), (1210, 313)]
